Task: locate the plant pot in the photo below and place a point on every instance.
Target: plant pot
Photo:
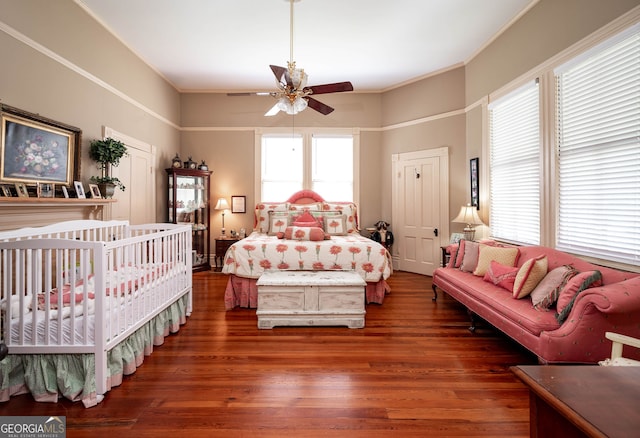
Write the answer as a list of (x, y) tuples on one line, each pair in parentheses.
[(107, 190)]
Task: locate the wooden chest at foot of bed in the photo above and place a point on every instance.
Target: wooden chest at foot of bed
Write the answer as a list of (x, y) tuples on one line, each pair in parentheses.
[(310, 298)]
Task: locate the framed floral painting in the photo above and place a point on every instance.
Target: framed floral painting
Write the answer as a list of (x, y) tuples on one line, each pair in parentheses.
[(34, 149)]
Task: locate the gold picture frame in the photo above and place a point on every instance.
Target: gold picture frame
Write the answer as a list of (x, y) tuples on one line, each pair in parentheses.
[(35, 149)]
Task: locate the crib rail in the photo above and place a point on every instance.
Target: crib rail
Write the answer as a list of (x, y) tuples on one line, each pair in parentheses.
[(63, 295)]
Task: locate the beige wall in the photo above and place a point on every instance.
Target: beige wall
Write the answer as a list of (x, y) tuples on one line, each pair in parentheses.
[(96, 82), (548, 28), (100, 82)]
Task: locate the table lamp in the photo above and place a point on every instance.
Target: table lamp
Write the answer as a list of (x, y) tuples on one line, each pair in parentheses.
[(223, 205), (469, 216)]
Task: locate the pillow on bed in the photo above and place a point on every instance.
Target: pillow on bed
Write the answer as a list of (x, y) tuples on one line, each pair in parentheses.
[(304, 233), (261, 216), (278, 222), (349, 210), (314, 206), (306, 220), (336, 225)]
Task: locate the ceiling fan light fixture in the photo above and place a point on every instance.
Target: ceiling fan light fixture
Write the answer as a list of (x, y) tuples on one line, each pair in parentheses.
[(292, 106)]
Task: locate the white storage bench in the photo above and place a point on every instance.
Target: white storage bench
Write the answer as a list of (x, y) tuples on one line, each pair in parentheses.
[(310, 298)]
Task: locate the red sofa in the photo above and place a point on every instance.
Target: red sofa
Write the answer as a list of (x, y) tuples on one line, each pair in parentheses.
[(614, 306)]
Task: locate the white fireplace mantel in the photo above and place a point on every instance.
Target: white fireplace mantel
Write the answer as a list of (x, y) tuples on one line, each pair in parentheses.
[(34, 212)]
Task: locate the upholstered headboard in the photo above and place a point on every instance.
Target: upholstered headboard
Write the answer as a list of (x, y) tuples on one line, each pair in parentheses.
[(305, 197)]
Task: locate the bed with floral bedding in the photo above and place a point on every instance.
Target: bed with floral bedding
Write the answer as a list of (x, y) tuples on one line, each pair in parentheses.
[(304, 233)]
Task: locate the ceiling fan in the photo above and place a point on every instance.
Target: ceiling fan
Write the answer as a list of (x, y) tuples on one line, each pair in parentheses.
[(293, 94)]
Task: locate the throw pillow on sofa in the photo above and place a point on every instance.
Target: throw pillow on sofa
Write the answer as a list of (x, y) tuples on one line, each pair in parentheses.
[(501, 275), (470, 258), (529, 275), (568, 294), (546, 293), (502, 255)]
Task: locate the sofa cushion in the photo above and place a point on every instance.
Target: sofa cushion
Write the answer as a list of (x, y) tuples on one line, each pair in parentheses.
[(547, 291), (501, 275), (459, 255), (529, 275), (504, 256), (572, 289), (470, 258)]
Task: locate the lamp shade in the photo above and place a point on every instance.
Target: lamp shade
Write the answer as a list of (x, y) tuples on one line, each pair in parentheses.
[(222, 204), (468, 215)]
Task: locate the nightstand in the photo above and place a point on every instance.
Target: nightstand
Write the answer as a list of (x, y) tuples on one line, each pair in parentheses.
[(222, 245)]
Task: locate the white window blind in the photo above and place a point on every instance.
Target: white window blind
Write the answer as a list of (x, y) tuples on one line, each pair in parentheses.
[(515, 166), (599, 154)]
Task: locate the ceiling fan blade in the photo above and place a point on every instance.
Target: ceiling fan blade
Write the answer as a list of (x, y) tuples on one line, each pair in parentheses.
[(278, 72), (252, 93), (273, 111), (318, 106), (338, 87)]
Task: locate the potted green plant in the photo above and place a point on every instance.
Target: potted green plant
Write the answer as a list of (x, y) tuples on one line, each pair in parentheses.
[(107, 153)]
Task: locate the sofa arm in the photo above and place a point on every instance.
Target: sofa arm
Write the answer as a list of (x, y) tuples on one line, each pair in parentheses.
[(621, 297)]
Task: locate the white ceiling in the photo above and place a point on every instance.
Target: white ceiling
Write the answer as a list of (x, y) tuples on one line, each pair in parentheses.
[(227, 45)]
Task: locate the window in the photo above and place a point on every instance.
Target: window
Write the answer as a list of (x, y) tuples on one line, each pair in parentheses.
[(515, 166), (598, 118), (564, 155), (319, 161), (282, 165), (332, 164)]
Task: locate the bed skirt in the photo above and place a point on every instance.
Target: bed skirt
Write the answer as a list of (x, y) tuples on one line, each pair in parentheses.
[(243, 292), (47, 376)]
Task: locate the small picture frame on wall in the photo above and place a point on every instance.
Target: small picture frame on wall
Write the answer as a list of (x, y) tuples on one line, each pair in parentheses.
[(474, 173), (6, 192), (79, 190), (65, 192), (238, 204), (21, 190)]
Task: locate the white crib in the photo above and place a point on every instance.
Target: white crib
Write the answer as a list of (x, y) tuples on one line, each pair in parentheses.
[(78, 290)]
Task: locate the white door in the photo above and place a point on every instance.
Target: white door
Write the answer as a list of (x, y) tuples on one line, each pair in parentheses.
[(136, 171), (420, 213)]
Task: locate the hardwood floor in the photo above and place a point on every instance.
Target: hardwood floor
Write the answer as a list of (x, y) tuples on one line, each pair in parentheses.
[(414, 370)]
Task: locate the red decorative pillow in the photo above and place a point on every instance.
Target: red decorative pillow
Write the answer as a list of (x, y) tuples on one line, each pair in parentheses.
[(569, 293), (306, 219), (304, 233), (459, 255), (501, 275)]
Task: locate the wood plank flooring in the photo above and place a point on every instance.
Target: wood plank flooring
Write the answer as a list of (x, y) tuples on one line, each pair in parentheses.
[(413, 371)]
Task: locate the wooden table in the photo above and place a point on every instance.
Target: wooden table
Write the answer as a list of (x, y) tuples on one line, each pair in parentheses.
[(584, 400)]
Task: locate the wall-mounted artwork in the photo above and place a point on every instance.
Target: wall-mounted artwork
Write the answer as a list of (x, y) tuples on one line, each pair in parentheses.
[(475, 182), (34, 149)]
